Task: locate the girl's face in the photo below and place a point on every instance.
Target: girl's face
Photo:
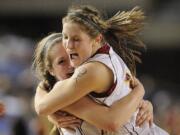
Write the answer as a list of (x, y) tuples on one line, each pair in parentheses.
[(78, 44), (60, 68)]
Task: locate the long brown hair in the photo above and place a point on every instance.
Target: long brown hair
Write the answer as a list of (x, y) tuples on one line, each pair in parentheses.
[(42, 62), (120, 31)]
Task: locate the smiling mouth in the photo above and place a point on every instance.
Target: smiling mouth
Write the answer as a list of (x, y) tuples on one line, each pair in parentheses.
[(73, 56)]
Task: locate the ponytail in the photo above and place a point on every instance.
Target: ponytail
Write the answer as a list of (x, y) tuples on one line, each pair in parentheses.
[(120, 31), (121, 34)]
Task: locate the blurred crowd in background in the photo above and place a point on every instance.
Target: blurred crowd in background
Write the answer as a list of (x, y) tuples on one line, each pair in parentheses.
[(159, 71)]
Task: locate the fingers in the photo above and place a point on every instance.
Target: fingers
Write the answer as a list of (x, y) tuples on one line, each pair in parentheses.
[(145, 113), (68, 125), (65, 121), (143, 106), (143, 118), (135, 82), (69, 121), (72, 126), (140, 104), (61, 113), (138, 87)]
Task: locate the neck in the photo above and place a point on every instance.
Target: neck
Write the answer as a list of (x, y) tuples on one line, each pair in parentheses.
[(96, 48)]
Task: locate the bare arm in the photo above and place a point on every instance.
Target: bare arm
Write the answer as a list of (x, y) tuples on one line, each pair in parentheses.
[(60, 118), (109, 118), (85, 79)]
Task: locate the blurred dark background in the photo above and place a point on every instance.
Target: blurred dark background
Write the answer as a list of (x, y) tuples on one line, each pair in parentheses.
[(23, 23)]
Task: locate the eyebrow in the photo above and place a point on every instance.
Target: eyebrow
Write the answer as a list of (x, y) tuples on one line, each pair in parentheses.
[(74, 36), (59, 58)]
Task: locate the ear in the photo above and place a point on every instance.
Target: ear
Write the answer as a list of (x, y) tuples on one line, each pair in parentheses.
[(99, 38), (51, 72)]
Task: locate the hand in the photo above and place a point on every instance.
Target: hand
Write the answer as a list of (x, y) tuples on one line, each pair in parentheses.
[(2, 109), (64, 120), (135, 84), (145, 113)]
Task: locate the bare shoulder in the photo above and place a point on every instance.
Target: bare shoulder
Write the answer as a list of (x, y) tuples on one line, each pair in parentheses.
[(92, 69), (96, 74)]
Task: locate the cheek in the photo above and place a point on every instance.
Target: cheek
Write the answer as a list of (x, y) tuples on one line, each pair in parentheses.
[(58, 71), (62, 71), (87, 50), (59, 75), (64, 43)]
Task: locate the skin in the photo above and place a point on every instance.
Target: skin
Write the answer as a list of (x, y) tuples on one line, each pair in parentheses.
[(78, 42), (87, 77), (61, 70)]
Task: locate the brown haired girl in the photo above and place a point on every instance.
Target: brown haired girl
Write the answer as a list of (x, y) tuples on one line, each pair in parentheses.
[(89, 42), (50, 56)]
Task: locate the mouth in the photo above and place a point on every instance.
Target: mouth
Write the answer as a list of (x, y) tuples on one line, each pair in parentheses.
[(70, 74), (73, 56)]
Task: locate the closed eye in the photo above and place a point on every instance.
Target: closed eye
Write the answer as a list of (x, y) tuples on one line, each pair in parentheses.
[(65, 37), (76, 39), (61, 62)]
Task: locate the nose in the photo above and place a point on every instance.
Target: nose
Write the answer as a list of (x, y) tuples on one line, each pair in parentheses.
[(70, 68), (69, 44)]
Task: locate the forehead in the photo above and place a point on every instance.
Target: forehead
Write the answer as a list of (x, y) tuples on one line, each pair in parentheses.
[(72, 29), (57, 49)]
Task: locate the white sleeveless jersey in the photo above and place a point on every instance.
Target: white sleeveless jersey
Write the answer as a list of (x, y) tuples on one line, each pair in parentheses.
[(121, 88)]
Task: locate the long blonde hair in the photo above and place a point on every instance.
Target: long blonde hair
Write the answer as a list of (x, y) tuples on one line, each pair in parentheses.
[(42, 62)]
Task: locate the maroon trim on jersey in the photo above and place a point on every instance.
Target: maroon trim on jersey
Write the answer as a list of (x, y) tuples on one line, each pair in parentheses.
[(103, 50), (104, 94)]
